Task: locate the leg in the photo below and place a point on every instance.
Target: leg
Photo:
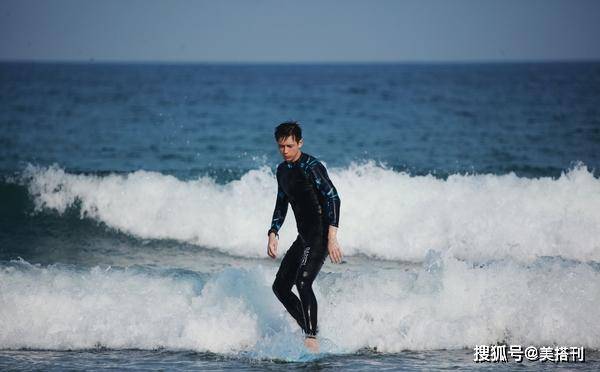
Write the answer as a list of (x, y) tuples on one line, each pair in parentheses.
[(313, 257), (285, 278)]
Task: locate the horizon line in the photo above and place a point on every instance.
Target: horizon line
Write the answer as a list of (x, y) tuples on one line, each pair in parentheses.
[(324, 62)]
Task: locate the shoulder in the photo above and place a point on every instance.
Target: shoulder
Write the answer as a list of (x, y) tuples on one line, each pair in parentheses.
[(310, 161), (280, 169), (315, 168), (281, 166), (313, 163)]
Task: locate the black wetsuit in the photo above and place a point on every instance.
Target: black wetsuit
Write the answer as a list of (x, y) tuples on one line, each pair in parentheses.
[(306, 186)]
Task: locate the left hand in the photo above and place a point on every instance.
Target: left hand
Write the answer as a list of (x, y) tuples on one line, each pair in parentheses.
[(335, 251)]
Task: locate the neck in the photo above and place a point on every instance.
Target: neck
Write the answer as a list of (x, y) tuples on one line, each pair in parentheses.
[(297, 157)]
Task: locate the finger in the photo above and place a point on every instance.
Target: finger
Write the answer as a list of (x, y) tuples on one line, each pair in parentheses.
[(338, 255)]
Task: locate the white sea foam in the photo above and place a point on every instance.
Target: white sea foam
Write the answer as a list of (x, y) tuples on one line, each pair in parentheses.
[(454, 304), (384, 213), (445, 303), (54, 308)]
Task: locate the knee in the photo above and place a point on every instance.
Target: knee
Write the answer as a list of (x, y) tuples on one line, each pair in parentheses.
[(303, 283), (278, 288)]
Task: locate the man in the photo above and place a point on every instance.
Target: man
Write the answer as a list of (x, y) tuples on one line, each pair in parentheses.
[(303, 182)]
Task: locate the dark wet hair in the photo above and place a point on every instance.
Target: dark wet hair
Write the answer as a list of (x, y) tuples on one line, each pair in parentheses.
[(289, 128)]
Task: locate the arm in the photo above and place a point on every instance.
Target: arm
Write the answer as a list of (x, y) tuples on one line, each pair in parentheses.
[(332, 207), (329, 192), (281, 207)]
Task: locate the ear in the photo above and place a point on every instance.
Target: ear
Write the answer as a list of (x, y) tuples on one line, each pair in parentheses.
[(300, 143)]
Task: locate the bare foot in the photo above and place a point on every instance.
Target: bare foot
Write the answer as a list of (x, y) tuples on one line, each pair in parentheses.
[(311, 344)]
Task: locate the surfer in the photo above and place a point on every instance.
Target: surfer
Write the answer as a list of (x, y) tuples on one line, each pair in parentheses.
[(302, 181)]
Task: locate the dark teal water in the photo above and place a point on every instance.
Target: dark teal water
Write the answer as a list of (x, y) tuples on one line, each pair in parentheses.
[(534, 119), (192, 361)]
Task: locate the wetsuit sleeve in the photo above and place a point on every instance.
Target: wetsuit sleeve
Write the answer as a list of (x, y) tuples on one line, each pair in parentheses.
[(281, 207), (327, 189)]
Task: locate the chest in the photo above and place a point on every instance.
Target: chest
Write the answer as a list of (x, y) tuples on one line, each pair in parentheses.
[(296, 182)]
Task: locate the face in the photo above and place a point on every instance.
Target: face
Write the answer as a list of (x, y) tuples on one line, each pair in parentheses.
[(289, 148)]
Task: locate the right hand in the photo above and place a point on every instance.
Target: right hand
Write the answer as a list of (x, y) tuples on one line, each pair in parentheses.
[(272, 246)]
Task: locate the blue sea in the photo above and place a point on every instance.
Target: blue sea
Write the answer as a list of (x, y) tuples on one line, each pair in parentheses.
[(135, 200)]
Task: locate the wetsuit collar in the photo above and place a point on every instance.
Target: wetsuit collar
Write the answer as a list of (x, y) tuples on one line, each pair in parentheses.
[(297, 160)]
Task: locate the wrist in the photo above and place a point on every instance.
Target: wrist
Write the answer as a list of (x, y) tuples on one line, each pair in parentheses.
[(273, 233), (332, 232)]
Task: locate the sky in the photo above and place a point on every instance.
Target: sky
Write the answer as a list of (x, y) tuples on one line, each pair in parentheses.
[(241, 31)]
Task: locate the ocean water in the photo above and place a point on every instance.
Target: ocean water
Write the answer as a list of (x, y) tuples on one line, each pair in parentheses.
[(135, 199)]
